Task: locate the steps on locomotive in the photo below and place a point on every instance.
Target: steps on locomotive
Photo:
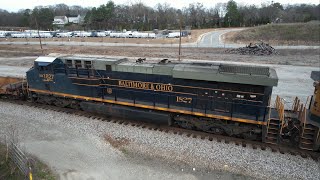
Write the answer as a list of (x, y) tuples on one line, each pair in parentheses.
[(273, 131), (308, 137)]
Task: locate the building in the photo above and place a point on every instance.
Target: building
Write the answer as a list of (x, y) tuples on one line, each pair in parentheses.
[(74, 19), (60, 20)]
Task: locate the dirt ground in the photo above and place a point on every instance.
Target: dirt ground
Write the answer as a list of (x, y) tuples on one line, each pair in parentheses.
[(192, 38), (302, 57), (231, 37)]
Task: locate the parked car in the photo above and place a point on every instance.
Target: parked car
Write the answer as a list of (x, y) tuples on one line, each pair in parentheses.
[(82, 34), (173, 35), (64, 34), (101, 34), (115, 35), (46, 35)]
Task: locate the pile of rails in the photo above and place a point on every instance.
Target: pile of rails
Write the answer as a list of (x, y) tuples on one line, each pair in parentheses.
[(258, 49)]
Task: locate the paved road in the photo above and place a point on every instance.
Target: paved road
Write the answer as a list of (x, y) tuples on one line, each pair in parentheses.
[(212, 39)]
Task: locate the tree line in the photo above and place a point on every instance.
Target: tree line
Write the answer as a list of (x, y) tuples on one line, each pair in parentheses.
[(163, 16), (40, 16)]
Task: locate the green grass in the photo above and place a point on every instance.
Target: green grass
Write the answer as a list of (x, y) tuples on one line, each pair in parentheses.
[(9, 171), (41, 171), (300, 33)]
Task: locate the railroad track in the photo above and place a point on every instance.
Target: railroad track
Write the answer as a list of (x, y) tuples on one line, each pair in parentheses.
[(175, 130)]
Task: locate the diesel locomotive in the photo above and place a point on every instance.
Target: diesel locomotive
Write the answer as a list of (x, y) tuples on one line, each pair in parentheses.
[(228, 99)]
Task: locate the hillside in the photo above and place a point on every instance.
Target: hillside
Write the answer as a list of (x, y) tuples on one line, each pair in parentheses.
[(279, 34)]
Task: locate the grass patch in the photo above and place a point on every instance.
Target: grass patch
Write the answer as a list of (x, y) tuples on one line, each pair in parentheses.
[(288, 33), (42, 171), (8, 170), (124, 151)]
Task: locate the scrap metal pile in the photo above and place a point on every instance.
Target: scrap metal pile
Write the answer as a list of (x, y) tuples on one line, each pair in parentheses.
[(258, 49)]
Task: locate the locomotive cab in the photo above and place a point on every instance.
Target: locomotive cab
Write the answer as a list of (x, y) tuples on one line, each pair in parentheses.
[(41, 75), (47, 74)]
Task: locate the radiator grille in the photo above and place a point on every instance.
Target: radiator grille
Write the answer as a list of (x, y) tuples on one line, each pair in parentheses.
[(250, 70)]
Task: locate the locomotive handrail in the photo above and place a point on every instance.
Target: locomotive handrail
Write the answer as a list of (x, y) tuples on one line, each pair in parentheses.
[(296, 104), (309, 99), (101, 77), (303, 120), (279, 105), (268, 123)]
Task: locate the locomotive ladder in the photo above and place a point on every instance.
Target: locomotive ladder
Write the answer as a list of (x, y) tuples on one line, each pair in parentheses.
[(309, 133), (273, 131), (275, 125)]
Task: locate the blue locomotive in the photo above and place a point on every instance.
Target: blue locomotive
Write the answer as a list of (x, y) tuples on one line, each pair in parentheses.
[(212, 97)]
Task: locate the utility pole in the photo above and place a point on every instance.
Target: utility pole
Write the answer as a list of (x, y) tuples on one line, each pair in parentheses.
[(38, 34), (179, 58)]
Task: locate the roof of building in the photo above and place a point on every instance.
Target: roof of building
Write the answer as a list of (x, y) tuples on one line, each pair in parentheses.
[(73, 16), (219, 72), (59, 17)]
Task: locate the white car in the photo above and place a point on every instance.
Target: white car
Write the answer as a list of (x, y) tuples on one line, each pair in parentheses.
[(144, 35), (82, 34), (34, 35), (18, 35), (107, 33), (101, 34), (152, 35), (174, 35), (64, 34), (115, 35), (46, 35)]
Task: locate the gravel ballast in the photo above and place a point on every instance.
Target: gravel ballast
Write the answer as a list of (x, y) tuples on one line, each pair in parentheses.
[(77, 147)]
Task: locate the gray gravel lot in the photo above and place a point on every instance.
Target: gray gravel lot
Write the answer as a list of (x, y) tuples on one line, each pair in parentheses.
[(11, 71), (75, 148)]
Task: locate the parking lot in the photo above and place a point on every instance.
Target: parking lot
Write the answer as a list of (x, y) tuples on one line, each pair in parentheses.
[(111, 34)]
